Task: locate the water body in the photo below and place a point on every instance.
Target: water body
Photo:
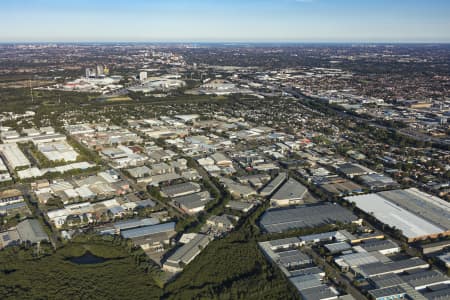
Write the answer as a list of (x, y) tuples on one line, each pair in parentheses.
[(88, 259)]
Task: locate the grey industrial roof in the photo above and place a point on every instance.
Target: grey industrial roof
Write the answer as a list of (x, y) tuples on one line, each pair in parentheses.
[(128, 224), (280, 220), (389, 291), (306, 271), (374, 269), (145, 203), (270, 188), (411, 224), (378, 245), (306, 281), (338, 247), (353, 169), (439, 294), (387, 280), (426, 277), (182, 188), (239, 205), (431, 208), (147, 230), (359, 259), (291, 190), (30, 230), (193, 200), (318, 293), (188, 251), (286, 241), (293, 257)]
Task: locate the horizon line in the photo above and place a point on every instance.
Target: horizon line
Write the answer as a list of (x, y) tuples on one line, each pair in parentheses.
[(229, 42)]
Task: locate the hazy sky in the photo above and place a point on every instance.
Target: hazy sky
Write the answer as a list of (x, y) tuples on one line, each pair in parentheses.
[(226, 20)]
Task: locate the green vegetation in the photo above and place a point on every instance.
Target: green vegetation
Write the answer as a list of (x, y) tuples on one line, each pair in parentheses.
[(127, 275), (232, 268), (229, 268)]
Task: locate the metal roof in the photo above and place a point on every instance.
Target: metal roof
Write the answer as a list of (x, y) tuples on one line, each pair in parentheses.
[(374, 269), (147, 230), (129, 224), (32, 231), (411, 224), (318, 293), (305, 216), (291, 190)]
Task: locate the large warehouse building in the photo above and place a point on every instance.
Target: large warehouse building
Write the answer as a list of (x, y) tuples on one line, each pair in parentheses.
[(417, 214), (305, 216), (14, 156)]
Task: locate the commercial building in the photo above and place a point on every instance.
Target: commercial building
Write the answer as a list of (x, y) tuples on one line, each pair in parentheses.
[(306, 216), (321, 292), (384, 247), (58, 151), (151, 237), (377, 181), (193, 203), (12, 196), (291, 193), (422, 279), (431, 208), (417, 215), (394, 292), (182, 189), (299, 268), (351, 170), (13, 156), (238, 190), (240, 206), (395, 267), (186, 253), (27, 231)]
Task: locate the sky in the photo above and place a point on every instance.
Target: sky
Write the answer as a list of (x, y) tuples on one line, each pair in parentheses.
[(225, 21)]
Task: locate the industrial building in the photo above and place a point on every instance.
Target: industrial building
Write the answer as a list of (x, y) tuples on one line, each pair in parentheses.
[(151, 237), (416, 214), (384, 247), (58, 151), (306, 216), (291, 193), (11, 196), (27, 231), (299, 268), (13, 156), (193, 203), (431, 208), (273, 185), (186, 253), (182, 189), (395, 267), (351, 170)]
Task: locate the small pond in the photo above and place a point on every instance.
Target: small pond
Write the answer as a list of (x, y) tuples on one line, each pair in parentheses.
[(87, 259)]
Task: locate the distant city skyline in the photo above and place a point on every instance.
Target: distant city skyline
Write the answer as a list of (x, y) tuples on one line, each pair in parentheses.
[(399, 21)]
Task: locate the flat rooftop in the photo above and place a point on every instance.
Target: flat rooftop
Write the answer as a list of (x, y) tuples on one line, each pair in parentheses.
[(412, 225), (433, 209), (305, 216)]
